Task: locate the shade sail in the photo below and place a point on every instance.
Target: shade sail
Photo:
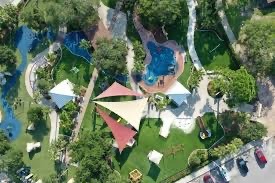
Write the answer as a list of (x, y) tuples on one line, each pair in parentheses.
[(155, 157), (131, 111), (117, 89), (121, 133), (178, 93), (62, 93)]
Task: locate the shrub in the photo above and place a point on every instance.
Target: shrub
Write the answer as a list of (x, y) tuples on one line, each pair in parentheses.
[(194, 161)]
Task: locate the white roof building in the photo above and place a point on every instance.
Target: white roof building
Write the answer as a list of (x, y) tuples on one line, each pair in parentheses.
[(62, 93), (178, 93), (13, 2)]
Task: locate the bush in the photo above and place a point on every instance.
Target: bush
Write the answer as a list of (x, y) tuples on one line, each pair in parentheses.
[(203, 155), (252, 131), (44, 85), (194, 161)]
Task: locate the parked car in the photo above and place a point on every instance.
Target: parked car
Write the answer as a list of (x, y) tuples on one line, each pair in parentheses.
[(224, 173), (242, 165), (260, 155), (208, 179)]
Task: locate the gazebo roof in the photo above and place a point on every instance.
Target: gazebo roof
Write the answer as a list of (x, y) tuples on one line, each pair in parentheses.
[(62, 93), (121, 133), (117, 89), (178, 93), (131, 111)]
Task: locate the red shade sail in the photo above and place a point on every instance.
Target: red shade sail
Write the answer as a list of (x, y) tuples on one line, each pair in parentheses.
[(121, 133), (117, 89)]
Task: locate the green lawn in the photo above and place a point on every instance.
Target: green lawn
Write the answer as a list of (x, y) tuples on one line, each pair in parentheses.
[(235, 18), (40, 162), (63, 68), (186, 72), (211, 58)]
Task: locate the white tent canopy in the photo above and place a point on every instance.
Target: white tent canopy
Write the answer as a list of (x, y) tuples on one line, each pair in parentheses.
[(13, 2), (155, 156), (178, 93), (62, 93), (131, 111)]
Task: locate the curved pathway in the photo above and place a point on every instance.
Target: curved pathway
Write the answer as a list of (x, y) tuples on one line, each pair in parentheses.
[(230, 35), (190, 34)]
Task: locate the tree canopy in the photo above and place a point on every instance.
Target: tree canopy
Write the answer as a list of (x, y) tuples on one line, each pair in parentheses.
[(257, 35), (4, 145), (239, 85), (76, 14), (8, 20), (160, 12), (7, 59), (92, 151), (223, 150), (139, 57), (252, 131), (110, 56), (207, 13), (35, 114)]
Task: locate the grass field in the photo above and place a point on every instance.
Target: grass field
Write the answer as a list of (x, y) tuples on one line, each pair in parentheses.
[(41, 134), (186, 73), (63, 69), (212, 51)]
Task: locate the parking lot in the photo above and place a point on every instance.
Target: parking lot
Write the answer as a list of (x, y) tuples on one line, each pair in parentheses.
[(257, 171)]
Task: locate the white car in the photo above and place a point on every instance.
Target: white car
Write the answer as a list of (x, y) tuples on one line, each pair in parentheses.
[(224, 173)]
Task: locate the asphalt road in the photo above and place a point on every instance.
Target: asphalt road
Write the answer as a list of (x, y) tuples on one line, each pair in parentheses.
[(258, 173)]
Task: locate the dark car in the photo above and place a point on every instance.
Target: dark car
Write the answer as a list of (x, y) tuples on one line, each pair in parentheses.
[(260, 155), (242, 165), (208, 179)]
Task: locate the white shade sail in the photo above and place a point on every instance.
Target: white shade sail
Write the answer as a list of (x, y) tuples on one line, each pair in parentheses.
[(62, 93), (131, 111), (178, 93), (155, 156)]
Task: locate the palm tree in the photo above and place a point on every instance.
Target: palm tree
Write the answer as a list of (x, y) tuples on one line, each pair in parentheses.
[(85, 44)]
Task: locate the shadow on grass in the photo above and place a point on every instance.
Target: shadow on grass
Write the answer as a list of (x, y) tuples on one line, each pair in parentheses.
[(123, 157), (153, 172), (215, 128), (32, 153), (41, 130)]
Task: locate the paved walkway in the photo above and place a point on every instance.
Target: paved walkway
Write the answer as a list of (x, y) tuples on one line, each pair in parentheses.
[(54, 118), (193, 176), (230, 35), (190, 34), (86, 101)]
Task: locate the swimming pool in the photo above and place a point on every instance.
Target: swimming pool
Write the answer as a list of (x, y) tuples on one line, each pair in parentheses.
[(25, 40), (72, 43), (163, 63)]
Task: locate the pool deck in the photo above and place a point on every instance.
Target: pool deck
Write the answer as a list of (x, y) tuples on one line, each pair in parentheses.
[(168, 80)]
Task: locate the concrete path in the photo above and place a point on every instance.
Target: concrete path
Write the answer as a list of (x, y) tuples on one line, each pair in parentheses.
[(229, 162), (54, 118), (190, 34), (230, 35), (86, 101)]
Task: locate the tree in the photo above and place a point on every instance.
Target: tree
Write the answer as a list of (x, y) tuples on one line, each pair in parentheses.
[(10, 162), (58, 147), (52, 57), (115, 177), (224, 150), (4, 143), (7, 59), (92, 151), (207, 13), (8, 20), (85, 44), (35, 115), (195, 79), (257, 37), (44, 85), (139, 57), (239, 86), (85, 10), (34, 18), (160, 12), (110, 56), (252, 131)]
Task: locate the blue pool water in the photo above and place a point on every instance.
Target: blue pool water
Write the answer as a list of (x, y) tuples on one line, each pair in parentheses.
[(72, 43), (25, 40), (162, 63)]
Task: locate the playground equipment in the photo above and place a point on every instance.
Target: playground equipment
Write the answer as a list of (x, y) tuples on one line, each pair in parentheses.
[(204, 132)]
